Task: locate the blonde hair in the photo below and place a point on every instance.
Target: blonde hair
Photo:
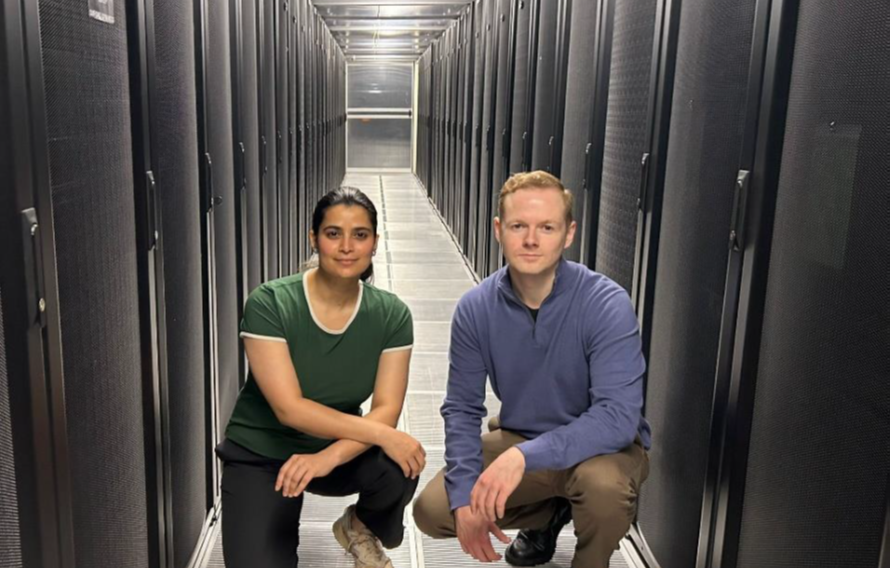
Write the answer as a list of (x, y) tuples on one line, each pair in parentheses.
[(536, 180)]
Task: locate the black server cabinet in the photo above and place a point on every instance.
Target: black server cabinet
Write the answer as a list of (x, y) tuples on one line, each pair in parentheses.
[(468, 71), (481, 66), (36, 512), (269, 137), (626, 139), (705, 142), (500, 151), (216, 155), (545, 84), (282, 92), (486, 161), (803, 475), (247, 150), (583, 82), (525, 52), (173, 124), (104, 252)]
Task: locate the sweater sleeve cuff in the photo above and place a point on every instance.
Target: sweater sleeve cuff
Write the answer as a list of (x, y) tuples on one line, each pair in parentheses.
[(458, 496), (538, 454)]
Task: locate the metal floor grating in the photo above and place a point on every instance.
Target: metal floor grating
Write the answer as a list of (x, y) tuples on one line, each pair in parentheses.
[(418, 260)]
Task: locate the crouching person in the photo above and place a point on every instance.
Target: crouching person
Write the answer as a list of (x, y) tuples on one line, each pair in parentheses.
[(319, 344), (560, 345)]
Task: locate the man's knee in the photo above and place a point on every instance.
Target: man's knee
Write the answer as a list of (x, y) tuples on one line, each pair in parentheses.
[(603, 492), (432, 512)]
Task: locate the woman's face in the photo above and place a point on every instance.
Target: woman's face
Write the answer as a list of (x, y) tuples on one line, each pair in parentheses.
[(346, 241)]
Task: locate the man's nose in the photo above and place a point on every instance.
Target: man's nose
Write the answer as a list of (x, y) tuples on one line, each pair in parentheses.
[(531, 239)]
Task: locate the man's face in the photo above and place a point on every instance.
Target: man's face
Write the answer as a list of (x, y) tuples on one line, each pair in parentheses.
[(533, 231)]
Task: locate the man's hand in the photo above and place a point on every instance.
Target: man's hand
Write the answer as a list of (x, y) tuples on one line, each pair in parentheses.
[(300, 469), (496, 484), (473, 533)]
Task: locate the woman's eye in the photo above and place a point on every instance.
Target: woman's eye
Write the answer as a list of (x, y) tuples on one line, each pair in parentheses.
[(331, 234), (361, 235)]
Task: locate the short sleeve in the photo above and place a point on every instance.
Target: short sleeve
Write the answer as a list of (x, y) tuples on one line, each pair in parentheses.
[(400, 329), (261, 317)]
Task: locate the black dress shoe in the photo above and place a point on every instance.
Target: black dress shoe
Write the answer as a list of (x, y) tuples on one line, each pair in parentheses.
[(534, 547)]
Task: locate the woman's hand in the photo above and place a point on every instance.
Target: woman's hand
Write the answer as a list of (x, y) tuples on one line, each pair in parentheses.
[(300, 469), (405, 451)]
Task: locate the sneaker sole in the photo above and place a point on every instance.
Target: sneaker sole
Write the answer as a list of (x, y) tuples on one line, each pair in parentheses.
[(340, 535)]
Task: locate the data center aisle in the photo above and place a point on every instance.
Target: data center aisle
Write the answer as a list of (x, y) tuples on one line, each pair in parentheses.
[(418, 260)]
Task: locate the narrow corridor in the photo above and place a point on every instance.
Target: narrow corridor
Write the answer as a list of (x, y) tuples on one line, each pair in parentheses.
[(418, 260)]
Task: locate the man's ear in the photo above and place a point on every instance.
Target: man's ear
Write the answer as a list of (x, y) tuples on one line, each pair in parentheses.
[(570, 237), (497, 228)]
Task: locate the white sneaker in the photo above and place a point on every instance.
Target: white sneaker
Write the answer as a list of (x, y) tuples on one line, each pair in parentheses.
[(361, 543)]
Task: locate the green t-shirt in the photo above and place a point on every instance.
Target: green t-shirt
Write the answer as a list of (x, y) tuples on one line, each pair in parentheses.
[(335, 368)]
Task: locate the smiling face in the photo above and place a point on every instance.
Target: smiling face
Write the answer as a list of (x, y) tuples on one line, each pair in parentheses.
[(534, 230), (345, 241)]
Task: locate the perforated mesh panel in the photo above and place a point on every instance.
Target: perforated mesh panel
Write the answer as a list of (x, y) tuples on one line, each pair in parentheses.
[(707, 124), (10, 538), (176, 163), (816, 486), (500, 124), (477, 129), (282, 92), (90, 149), (492, 71), (580, 84), (250, 125), (545, 84), (219, 127), (520, 87), (270, 182), (626, 131)]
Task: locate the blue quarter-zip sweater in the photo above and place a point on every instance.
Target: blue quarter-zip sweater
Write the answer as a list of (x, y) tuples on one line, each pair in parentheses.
[(572, 382)]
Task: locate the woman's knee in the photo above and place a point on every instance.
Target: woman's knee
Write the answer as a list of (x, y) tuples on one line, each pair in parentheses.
[(390, 475)]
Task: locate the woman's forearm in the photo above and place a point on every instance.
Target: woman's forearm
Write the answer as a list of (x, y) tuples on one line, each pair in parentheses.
[(344, 451), (324, 422)]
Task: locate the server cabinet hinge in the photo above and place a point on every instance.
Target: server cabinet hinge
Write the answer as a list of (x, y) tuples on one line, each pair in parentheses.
[(151, 209), (644, 181), (264, 155), (739, 201), (242, 156), (34, 283)]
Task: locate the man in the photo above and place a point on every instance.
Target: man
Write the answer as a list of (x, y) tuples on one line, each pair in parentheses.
[(560, 344)]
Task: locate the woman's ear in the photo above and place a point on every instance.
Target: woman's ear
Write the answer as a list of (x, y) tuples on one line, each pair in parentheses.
[(312, 242)]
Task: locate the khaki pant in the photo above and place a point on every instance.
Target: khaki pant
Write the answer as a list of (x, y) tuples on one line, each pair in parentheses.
[(602, 490)]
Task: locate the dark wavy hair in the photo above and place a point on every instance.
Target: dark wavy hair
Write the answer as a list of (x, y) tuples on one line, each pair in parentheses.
[(345, 195)]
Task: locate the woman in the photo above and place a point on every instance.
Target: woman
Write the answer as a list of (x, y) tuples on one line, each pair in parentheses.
[(319, 344)]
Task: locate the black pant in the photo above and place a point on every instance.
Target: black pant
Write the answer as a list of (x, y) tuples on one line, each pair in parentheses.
[(261, 528)]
